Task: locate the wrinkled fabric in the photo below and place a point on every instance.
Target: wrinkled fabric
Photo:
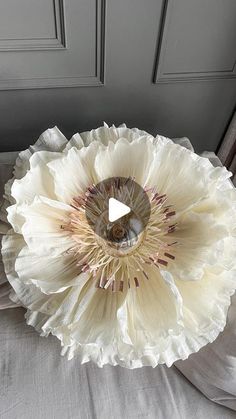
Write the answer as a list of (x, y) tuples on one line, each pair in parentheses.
[(213, 369), (37, 383)]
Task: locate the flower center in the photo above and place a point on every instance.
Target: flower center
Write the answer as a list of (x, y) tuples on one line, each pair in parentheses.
[(117, 254)]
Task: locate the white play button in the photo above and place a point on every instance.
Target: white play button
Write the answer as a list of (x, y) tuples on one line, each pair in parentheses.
[(117, 209)]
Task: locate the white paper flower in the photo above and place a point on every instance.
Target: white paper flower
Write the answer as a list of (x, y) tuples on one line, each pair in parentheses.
[(169, 295)]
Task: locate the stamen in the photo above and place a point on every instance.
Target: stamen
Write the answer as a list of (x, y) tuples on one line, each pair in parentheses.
[(136, 281), (162, 262), (144, 273), (170, 214), (168, 255), (121, 286)]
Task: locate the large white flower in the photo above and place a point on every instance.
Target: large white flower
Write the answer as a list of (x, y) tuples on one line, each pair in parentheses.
[(169, 295)]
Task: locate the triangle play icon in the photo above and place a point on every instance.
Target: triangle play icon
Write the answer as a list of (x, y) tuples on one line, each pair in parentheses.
[(117, 209)]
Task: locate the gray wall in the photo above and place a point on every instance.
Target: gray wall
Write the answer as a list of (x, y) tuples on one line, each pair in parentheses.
[(163, 66)]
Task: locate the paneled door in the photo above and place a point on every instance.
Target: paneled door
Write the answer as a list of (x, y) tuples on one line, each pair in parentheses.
[(166, 66)]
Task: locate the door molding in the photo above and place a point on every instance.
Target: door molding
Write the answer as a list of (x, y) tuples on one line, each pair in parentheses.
[(59, 45), (162, 76)]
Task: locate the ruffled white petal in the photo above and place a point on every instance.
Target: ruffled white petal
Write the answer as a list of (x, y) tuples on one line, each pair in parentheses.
[(7, 161), (182, 175), (51, 275), (5, 287), (153, 311), (42, 228), (37, 181), (73, 172), (50, 140), (199, 243), (12, 244), (98, 324), (107, 134), (206, 302), (115, 159), (75, 142)]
